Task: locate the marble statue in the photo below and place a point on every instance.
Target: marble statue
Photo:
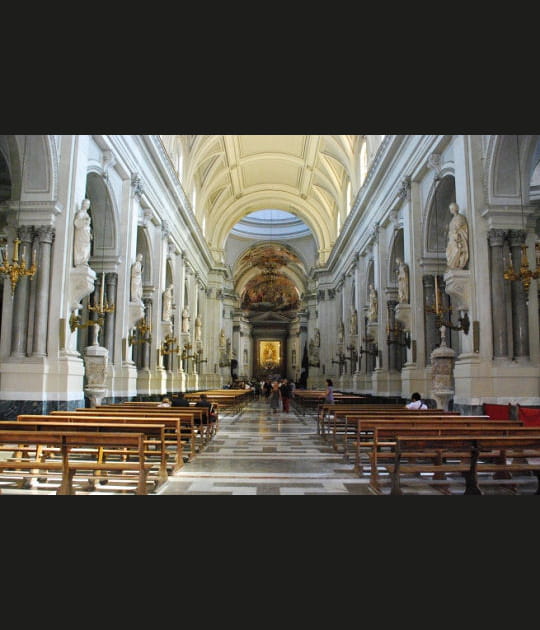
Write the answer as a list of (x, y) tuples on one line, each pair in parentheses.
[(185, 319), (373, 304), (136, 280), (167, 303), (457, 249), (83, 235), (403, 281)]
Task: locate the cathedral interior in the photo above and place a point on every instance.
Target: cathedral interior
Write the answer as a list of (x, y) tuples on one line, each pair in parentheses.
[(136, 266)]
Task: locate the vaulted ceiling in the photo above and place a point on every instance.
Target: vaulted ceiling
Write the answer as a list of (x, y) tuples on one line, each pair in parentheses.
[(230, 176)]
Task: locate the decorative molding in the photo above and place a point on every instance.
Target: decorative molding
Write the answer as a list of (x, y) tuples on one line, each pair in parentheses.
[(137, 186)]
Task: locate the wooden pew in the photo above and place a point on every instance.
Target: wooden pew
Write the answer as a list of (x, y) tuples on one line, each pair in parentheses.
[(56, 455), (342, 423), (328, 412), (378, 438), (174, 451), (194, 433), (203, 429), (467, 455), (154, 434)]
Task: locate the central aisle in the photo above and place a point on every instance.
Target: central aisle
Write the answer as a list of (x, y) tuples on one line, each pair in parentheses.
[(260, 453)]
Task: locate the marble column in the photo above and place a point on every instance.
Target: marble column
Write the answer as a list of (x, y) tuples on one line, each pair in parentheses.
[(498, 307), (145, 346), (392, 336), (43, 275), (19, 326), (520, 315), (431, 332), (111, 284)]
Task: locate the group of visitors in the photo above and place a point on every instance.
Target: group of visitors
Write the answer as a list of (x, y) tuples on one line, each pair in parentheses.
[(279, 392)]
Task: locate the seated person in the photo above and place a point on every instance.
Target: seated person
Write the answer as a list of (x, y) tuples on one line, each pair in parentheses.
[(166, 402), (416, 402), (204, 402), (180, 400)]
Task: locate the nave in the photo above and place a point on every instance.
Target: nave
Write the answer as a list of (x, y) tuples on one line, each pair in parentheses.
[(256, 452)]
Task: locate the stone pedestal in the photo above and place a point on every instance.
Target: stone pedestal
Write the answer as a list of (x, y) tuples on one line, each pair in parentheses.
[(442, 373), (458, 287), (81, 283), (95, 361)]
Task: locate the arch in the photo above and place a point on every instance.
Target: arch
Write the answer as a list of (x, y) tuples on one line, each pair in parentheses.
[(221, 226), (437, 218), (397, 248), (105, 242), (144, 247), (502, 173)]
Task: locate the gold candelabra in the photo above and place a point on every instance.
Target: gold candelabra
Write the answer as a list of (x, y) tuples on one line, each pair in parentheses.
[(186, 352), (439, 311), (102, 307), (144, 329), (394, 333), (16, 269), (525, 274), (167, 345)]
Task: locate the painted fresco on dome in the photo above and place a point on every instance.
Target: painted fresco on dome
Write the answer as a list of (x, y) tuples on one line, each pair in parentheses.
[(278, 294)]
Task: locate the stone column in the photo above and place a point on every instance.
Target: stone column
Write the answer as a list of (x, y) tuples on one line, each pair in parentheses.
[(498, 307), (19, 325), (431, 332), (145, 345), (45, 238), (520, 315), (111, 284), (392, 336)]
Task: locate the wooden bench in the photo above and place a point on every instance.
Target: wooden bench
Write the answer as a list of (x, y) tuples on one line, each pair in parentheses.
[(57, 456), (467, 455), (194, 433), (154, 436), (332, 412), (343, 425), (204, 429), (377, 439)]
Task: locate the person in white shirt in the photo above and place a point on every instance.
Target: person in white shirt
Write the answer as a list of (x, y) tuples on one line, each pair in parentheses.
[(416, 402)]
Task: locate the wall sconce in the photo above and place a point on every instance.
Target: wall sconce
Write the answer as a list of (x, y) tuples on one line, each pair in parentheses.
[(145, 331), (167, 345), (439, 311), (102, 307), (16, 269)]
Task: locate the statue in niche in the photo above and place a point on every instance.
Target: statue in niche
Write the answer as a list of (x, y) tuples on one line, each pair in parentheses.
[(354, 323), (317, 338), (457, 248), (341, 332), (83, 235), (222, 338), (185, 319), (403, 281), (198, 328), (136, 280), (373, 304), (167, 303), (314, 359)]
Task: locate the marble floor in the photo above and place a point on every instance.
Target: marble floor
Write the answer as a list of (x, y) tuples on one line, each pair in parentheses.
[(257, 452)]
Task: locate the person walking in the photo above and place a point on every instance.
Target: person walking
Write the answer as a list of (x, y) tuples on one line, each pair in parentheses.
[(329, 395), (275, 397), (286, 395)]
